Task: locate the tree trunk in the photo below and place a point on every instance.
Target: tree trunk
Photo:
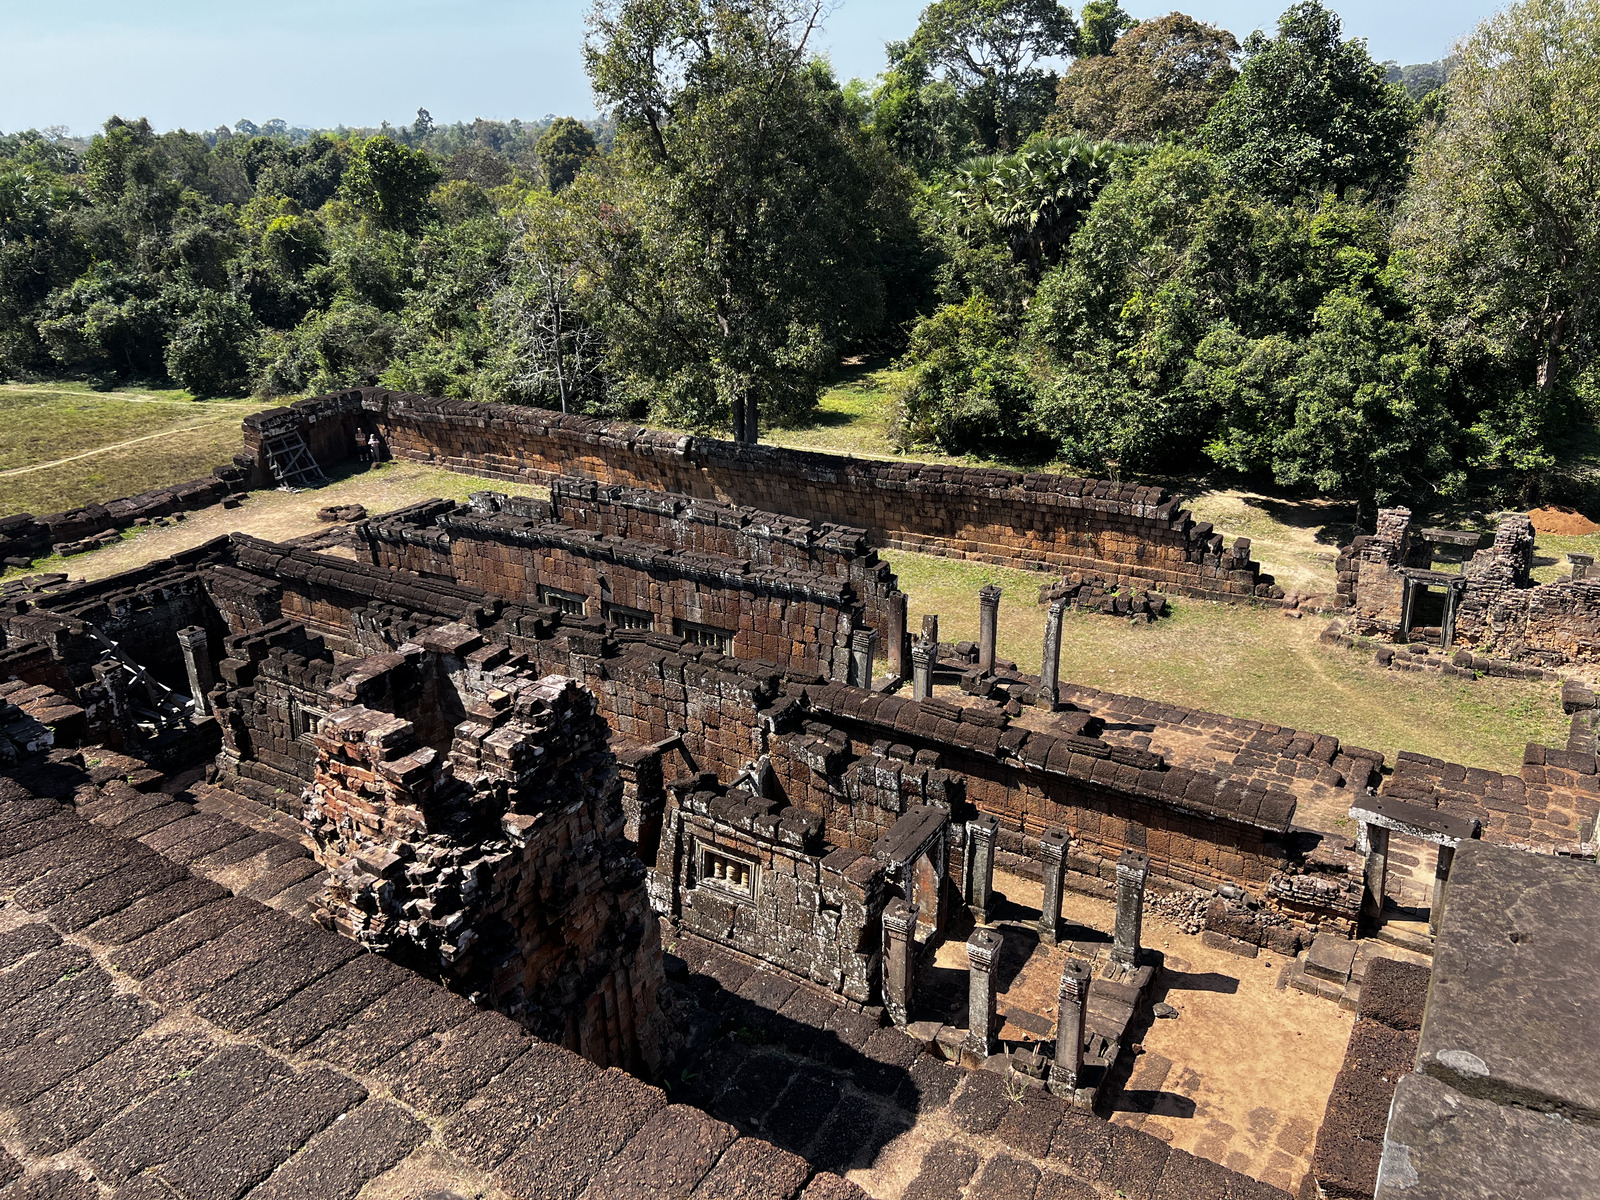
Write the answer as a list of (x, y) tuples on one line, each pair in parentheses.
[(752, 421), (738, 417)]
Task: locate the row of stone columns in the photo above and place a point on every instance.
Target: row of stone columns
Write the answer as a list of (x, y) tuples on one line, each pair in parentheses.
[(925, 649)]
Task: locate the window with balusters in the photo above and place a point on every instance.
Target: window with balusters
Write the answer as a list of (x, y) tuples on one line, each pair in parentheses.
[(727, 871)]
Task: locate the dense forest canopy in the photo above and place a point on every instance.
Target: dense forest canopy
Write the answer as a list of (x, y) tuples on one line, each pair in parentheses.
[(1081, 237)]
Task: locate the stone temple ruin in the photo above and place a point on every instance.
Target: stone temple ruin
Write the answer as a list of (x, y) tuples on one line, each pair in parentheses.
[(618, 843)]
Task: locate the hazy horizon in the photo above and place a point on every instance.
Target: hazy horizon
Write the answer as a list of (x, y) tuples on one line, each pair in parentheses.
[(359, 63)]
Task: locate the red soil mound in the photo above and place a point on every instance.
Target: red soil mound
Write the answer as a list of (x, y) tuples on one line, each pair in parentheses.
[(1556, 519)]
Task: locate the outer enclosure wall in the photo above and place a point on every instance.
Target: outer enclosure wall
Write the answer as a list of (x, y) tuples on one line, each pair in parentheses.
[(1122, 531)]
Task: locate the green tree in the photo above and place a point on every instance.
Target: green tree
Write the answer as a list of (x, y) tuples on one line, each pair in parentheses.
[(1370, 422), (1500, 233), (1101, 23), (964, 391), (992, 52), (564, 149), (736, 230), (390, 183), (1310, 112), (211, 349), (1159, 79)]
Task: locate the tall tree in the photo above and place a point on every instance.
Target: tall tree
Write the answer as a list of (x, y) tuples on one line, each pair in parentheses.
[(564, 149), (1101, 23), (1310, 112), (1160, 78), (390, 183), (735, 230), (1501, 224), (993, 52)]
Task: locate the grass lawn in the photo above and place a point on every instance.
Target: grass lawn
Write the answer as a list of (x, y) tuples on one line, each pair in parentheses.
[(63, 444), (1246, 662)]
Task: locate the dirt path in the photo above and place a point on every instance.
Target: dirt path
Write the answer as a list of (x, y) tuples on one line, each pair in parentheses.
[(149, 437)]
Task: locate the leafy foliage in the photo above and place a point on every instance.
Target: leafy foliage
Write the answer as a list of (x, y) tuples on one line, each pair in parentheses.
[(1310, 112)]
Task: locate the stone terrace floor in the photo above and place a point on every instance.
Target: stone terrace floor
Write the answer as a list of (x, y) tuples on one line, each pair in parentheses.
[(1240, 1078)]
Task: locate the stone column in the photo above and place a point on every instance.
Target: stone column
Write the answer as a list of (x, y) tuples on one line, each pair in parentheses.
[(1408, 592), (988, 625), (1050, 669), (1580, 565), (1132, 868), (923, 652), (1447, 623), (863, 650), (1376, 875), (1073, 1006), (196, 646), (895, 636), (899, 959), (983, 953), (1053, 858), (1441, 876), (980, 866)]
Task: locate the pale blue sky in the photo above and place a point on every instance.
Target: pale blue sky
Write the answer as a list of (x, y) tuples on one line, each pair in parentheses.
[(201, 63)]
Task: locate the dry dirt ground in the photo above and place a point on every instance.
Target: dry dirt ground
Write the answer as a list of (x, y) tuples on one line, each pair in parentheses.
[(1241, 1076)]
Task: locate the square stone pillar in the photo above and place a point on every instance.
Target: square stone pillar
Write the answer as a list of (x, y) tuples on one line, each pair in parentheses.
[(1066, 1071), (196, 646), (1132, 868), (981, 833), (899, 959), (983, 955), (1376, 875), (895, 640), (863, 650), (923, 653), (1050, 669), (988, 625), (1053, 859), (930, 627), (1447, 623), (1441, 876), (1408, 594)]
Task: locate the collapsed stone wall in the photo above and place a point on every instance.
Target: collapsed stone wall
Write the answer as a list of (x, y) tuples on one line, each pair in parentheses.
[(1127, 533), (498, 863), (1501, 613)]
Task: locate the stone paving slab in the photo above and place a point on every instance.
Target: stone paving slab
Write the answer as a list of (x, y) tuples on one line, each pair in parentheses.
[(1516, 981), (1443, 1145)]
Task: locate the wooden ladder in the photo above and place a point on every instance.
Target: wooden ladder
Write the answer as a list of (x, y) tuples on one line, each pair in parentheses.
[(291, 461)]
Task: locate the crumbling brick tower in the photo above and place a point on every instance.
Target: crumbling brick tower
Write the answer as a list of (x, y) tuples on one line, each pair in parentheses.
[(498, 867)]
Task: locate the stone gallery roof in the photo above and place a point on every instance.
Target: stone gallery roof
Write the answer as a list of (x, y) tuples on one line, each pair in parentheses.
[(1505, 1100), (163, 1037)]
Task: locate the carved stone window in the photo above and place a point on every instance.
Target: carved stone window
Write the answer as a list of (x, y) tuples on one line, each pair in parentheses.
[(704, 635), (573, 604), (728, 871), (303, 720), (628, 618)]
